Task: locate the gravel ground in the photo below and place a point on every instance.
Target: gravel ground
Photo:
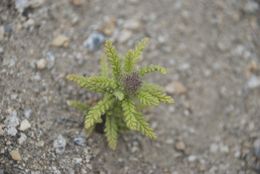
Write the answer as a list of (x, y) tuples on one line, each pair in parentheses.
[(211, 49)]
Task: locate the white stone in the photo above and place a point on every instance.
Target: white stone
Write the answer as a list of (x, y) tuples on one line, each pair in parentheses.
[(124, 36), (132, 24), (41, 64), (192, 158), (59, 144), (10, 124), (251, 6), (25, 124), (22, 138), (253, 82)]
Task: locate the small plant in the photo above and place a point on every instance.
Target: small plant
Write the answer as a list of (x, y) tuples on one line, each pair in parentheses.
[(124, 94)]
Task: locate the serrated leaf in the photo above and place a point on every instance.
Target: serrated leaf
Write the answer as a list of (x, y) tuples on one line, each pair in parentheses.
[(152, 68), (93, 83), (78, 105), (132, 56), (94, 114), (113, 58), (111, 131)]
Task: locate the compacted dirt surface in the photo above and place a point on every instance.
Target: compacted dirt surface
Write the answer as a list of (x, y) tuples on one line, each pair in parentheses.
[(211, 50)]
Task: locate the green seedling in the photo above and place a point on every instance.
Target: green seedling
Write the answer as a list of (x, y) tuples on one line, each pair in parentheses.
[(124, 93)]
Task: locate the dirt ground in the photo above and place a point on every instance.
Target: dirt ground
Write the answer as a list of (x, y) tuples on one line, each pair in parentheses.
[(212, 52)]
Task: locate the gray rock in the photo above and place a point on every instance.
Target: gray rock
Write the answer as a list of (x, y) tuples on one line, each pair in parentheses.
[(59, 144), (79, 141), (11, 122), (50, 60), (1, 48), (133, 24), (253, 82), (192, 158), (257, 148), (94, 41), (20, 5), (27, 113), (2, 171), (29, 23), (251, 6), (124, 36), (25, 124), (22, 138), (41, 64)]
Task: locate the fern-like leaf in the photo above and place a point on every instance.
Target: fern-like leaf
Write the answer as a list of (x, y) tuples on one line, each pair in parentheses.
[(134, 120), (144, 127), (94, 114), (94, 83), (113, 58), (152, 68), (111, 131), (104, 70), (78, 105), (146, 98), (157, 92), (129, 114), (132, 56)]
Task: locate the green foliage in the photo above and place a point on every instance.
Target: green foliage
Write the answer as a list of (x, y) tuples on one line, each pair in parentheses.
[(104, 69), (111, 131), (132, 56), (94, 114), (122, 93), (152, 68), (113, 59), (95, 83), (78, 105)]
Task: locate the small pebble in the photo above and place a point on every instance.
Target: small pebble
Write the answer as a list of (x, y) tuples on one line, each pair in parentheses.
[(124, 36), (192, 158), (60, 41), (15, 155), (25, 124), (10, 124), (109, 26), (22, 138), (253, 82), (251, 6), (36, 3), (132, 24), (79, 141), (176, 87), (41, 64), (20, 5), (29, 23), (50, 60), (180, 146), (76, 2), (27, 113), (59, 144), (257, 148), (1, 50), (94, 41), (224, 148)]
